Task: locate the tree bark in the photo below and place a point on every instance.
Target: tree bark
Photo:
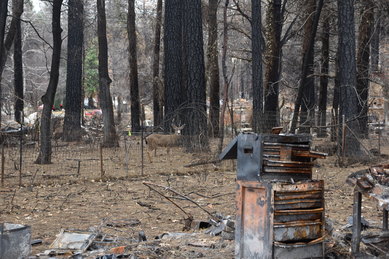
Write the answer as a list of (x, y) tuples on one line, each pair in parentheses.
[(307, 66), (347, 74), (195, 71), (173, 67), (324, 69), (44, 156), (308, 99), (274, 23), (3, 21), (363, 62), (157, 87), (73, 102), (110, 136), (18, 74), (134, 85), (225, 77), (213, 68), (256, 42), (375, 40)]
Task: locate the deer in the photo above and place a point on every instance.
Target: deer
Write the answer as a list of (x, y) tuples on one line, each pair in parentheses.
[(154, 140)]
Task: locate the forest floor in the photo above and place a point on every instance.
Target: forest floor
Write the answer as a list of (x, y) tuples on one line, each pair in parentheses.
[(122, 206)]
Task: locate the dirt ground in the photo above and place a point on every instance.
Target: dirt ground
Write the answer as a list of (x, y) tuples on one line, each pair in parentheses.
[(54, 197)]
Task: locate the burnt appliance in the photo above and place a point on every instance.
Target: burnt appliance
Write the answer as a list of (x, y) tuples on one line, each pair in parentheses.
[(280, 209)]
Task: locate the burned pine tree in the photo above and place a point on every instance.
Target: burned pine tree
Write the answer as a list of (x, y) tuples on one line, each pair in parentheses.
[(213, 68), (363, 64), (324, 69), (273, 31), (73, 102), (134, 82), (173, 65), (110, 136), (347, 75), (157, 87), (194, 69), (44, 156), (18, 72), (256, 43)]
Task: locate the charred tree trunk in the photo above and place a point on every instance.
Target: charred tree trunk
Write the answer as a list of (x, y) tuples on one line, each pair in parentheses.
[(225, 77), (375, 40), (307, 67), (110, 136), (308, 98), (134, 85), (347, 75), (273, 61), (324, 69), (173, 67), (256, 42), (17, 10), (213, 68), (3, 21), (157, 87), (195, 71), (18, 74), (335, 104), (72, 121), (44, 156), (363, 61)]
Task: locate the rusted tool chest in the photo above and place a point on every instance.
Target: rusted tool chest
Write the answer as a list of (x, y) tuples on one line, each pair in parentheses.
[(280, 209)]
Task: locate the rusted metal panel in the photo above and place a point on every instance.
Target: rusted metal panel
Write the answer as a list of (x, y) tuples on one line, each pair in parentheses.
[(313, 249), (249, 157), (254, 222), (297, 231)]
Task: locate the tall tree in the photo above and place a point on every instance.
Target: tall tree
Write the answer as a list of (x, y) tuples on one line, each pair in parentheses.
[(3, 21), (213, 68), (18, 73), (306, 85), (195, 72), (324, 69), (363, 63), (157, 87), (110, 136), (44, 156), (173, 62), (256, 42), (375, 40), (73, 102), (273, 31), (347, 74), (134, 85), (308, 98)]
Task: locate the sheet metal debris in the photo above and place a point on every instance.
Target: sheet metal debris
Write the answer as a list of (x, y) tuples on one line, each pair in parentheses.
[(280, 209)]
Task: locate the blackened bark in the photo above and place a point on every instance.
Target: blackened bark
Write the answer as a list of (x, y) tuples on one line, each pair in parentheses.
[(44, 156), (363, 57), (157, 87), (195, 71), (213, 68), (308, 98), (306, 67), (256, 42), (72, 121), (134, 85), (17, 10), (347, 74), (3, 21), (18, 74), (173, 67), (375, 40), (110, 137), (324, 69), (273, 61)]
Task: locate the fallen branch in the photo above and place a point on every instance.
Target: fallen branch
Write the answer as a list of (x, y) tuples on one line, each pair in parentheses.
[(151, 188), (175, 192), (203, 163)]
